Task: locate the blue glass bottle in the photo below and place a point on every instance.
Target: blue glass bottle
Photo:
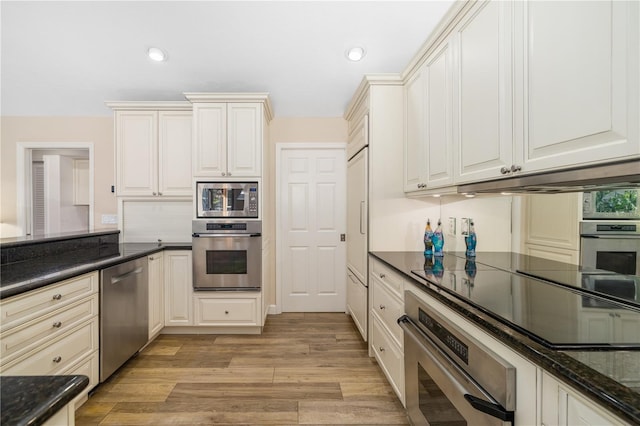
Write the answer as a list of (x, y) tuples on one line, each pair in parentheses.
[(428, 235), (471, 240), (438, 241)]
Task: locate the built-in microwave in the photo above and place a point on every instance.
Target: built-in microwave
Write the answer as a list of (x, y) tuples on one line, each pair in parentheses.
[(611, 204), (226, 200)]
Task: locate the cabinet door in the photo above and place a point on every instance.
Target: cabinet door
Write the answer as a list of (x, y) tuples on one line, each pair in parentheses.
[(209, 139), (483, 94), (438, 131), (414, 143), (137, 153), (357, 204), (580, 82), (244, 145), (178, 288), (156, 294), (174, 153)]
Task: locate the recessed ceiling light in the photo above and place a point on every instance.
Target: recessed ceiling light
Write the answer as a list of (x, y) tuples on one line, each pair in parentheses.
[(156, 54), (355, 54)]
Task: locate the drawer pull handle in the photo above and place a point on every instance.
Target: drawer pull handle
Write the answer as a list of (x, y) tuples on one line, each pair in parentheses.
[(382, 307), (383, 276), (226, 312), (57, 359), (57, 296), (381, 349), (57, 324)]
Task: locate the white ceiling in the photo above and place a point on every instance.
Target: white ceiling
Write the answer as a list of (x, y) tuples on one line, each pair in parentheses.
[(68, 58)]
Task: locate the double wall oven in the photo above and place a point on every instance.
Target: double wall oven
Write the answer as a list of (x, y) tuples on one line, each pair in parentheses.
[(227, 238)]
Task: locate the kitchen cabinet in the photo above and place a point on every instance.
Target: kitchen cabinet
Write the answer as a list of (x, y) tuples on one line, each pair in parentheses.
[(578, 82), (52, 331), (229, 130), (415, 178), (81, 180), (153, 154), (483, 98), (429, 131), (178, 291), (562, 406), (386, 306), (228, 310), (597, 324), (156, 294)]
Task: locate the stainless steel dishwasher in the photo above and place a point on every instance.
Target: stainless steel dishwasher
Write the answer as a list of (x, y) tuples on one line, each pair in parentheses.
[(124, 313)]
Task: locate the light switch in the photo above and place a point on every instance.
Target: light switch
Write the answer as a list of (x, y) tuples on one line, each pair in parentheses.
[(452, 226)]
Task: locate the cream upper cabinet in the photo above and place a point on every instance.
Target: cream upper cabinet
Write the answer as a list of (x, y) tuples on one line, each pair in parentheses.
[(227, 139), (153, 150), (578, 82), (414, 148), (438, 126), (483, 131)]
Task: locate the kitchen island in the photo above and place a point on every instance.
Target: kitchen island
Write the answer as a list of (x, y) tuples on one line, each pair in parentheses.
[(605, 372)]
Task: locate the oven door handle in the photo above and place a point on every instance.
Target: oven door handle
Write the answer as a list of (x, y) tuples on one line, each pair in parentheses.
[(225, 235), (427, 344)]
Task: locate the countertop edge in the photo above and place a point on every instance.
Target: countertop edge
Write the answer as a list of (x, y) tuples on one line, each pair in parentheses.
[(34, 284), (607, 392), (48, 406), (22, 241)]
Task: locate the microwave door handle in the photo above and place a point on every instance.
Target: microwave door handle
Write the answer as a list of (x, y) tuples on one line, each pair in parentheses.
[(451, 369)]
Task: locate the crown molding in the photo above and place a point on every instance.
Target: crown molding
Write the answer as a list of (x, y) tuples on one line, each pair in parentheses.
[(368, 81)]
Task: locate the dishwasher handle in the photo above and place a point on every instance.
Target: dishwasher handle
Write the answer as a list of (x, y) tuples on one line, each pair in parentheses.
[(117, 279)]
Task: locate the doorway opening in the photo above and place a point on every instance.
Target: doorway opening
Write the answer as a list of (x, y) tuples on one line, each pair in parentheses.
[(54, 188)]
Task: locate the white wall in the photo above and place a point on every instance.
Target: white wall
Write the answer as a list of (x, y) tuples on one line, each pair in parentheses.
[(491, 215)]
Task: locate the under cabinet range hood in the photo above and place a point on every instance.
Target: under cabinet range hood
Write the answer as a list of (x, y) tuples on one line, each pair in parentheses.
[(597, 177)]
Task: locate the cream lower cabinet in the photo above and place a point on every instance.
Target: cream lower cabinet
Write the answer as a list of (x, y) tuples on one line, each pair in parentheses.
[(386, 305), (53, 331), (563, 406), (178, 290), (156, 293)]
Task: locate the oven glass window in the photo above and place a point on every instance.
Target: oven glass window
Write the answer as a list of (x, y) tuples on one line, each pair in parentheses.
[(227, 262), (434, 405), (622, 262), (235, 200)]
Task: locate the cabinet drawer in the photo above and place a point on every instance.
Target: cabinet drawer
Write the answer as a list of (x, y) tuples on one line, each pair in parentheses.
[(389, 356), (211, 311), (58, 355), (388, 308), (86, 367), (389, 277), (19, 340), (20, 309)]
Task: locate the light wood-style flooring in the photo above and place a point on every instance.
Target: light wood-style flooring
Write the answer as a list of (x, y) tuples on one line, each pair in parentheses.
[(305, 368)]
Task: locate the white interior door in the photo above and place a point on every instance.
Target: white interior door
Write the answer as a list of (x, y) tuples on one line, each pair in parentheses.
[(312, 218)]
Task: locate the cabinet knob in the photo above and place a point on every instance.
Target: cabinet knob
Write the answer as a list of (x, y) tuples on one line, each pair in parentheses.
[(226, 312), (381, 349), (57, 296), (57, 359), (57, 324), (228, 173), (159, 193), (505, 170), (383, 276), (224, 174), (515, 168), (382, 307), (154, 194)]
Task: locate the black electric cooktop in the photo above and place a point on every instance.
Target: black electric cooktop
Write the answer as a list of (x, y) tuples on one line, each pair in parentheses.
[(556, 316)]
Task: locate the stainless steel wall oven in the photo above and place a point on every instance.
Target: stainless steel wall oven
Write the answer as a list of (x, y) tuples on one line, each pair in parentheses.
[(227, 255), (451, 378)]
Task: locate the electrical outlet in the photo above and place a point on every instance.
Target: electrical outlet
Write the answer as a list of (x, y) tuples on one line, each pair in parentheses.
[(465, 225), (452, 226), (109, 219)]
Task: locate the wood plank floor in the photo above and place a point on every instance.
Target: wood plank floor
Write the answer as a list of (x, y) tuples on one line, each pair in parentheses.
[(306, 368)]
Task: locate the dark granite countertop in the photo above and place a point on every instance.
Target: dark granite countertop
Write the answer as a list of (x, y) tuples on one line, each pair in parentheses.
[(597, 374), (32, 400), (49, 238), (19, 277)]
